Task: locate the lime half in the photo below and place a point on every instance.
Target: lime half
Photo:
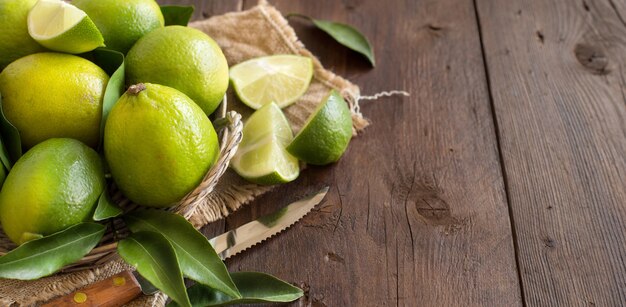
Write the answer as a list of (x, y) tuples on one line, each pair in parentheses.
[(262, 157), (326, 133), (63, 27), (281, 79)]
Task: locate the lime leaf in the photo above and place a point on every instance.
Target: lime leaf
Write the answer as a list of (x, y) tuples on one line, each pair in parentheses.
[(109, 60), (106, 208), (345, 35), (112, 62), (42, 257), (254, 287), (3, 173), (4, 154), (154, 258), (198, 260), (176, 15), (11, 140)]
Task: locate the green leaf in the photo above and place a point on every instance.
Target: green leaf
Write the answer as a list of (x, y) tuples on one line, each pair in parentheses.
[(198, 260), (12, 143), (345, 35), (154, 258), (109, 60), (112, 62), (42, 257), (254, 287), (177, 15), (4, 154), (106, 208)]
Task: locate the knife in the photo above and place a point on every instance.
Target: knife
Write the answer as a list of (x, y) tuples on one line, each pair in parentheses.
[(121, 288)]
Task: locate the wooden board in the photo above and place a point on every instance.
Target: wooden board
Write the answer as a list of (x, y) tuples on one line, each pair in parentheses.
[(517, 106), (417, 213), (557, 79)]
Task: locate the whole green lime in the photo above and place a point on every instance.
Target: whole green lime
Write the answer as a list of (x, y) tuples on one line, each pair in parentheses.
[(183, 58), (122, 23), (53, 186), (14, 37), (158, 144), (52, 95)]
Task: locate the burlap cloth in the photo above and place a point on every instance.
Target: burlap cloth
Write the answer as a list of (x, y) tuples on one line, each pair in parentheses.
[(259, 31)]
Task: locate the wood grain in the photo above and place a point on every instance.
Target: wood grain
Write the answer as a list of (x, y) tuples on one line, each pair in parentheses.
[(417, 212), (557, 79)]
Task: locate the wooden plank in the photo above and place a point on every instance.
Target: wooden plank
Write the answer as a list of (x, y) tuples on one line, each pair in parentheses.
[(557, 79), (416, 214)]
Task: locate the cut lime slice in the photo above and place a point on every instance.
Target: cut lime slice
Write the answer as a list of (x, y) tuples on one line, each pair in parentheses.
[(262, 157), (326, 133), (281, 79), (60, 26)]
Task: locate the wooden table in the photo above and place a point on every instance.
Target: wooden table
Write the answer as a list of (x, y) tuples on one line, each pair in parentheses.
[(501, 181)]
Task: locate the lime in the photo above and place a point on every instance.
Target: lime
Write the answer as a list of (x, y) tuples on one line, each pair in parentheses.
[(281, 79), (326, 133), (60, 26), (48, 95), (122, 23), (16, 42), (261, 157), (159, 144), (183, 58), (53, 186)]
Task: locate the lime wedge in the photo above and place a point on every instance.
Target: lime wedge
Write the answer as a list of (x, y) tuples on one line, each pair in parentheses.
[(60, 26), (281, 79), (326, 133), (261, 157)]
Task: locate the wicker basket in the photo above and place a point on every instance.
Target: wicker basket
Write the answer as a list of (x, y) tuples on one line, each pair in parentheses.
[(229, 135)]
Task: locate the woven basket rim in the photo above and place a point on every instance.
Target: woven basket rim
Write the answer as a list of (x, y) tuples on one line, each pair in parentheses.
[(229, 138)]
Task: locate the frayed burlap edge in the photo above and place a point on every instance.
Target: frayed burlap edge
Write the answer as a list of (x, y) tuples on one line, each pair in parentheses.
[(223, 202), (348, 90)]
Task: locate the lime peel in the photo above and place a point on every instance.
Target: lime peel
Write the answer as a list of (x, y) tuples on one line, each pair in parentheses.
[(281, 79), (63, 27), (262, 157), (16, 43), (326, 133)]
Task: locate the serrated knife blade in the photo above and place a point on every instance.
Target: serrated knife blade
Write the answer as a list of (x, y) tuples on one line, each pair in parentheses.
[(243, 237), (121, 288)]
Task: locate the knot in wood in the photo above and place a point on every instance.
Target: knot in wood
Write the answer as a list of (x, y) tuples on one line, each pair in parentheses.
[(592, 58), (549, 242)]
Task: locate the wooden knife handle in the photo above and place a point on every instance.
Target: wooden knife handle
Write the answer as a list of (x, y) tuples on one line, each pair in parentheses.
[(116, 290)]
